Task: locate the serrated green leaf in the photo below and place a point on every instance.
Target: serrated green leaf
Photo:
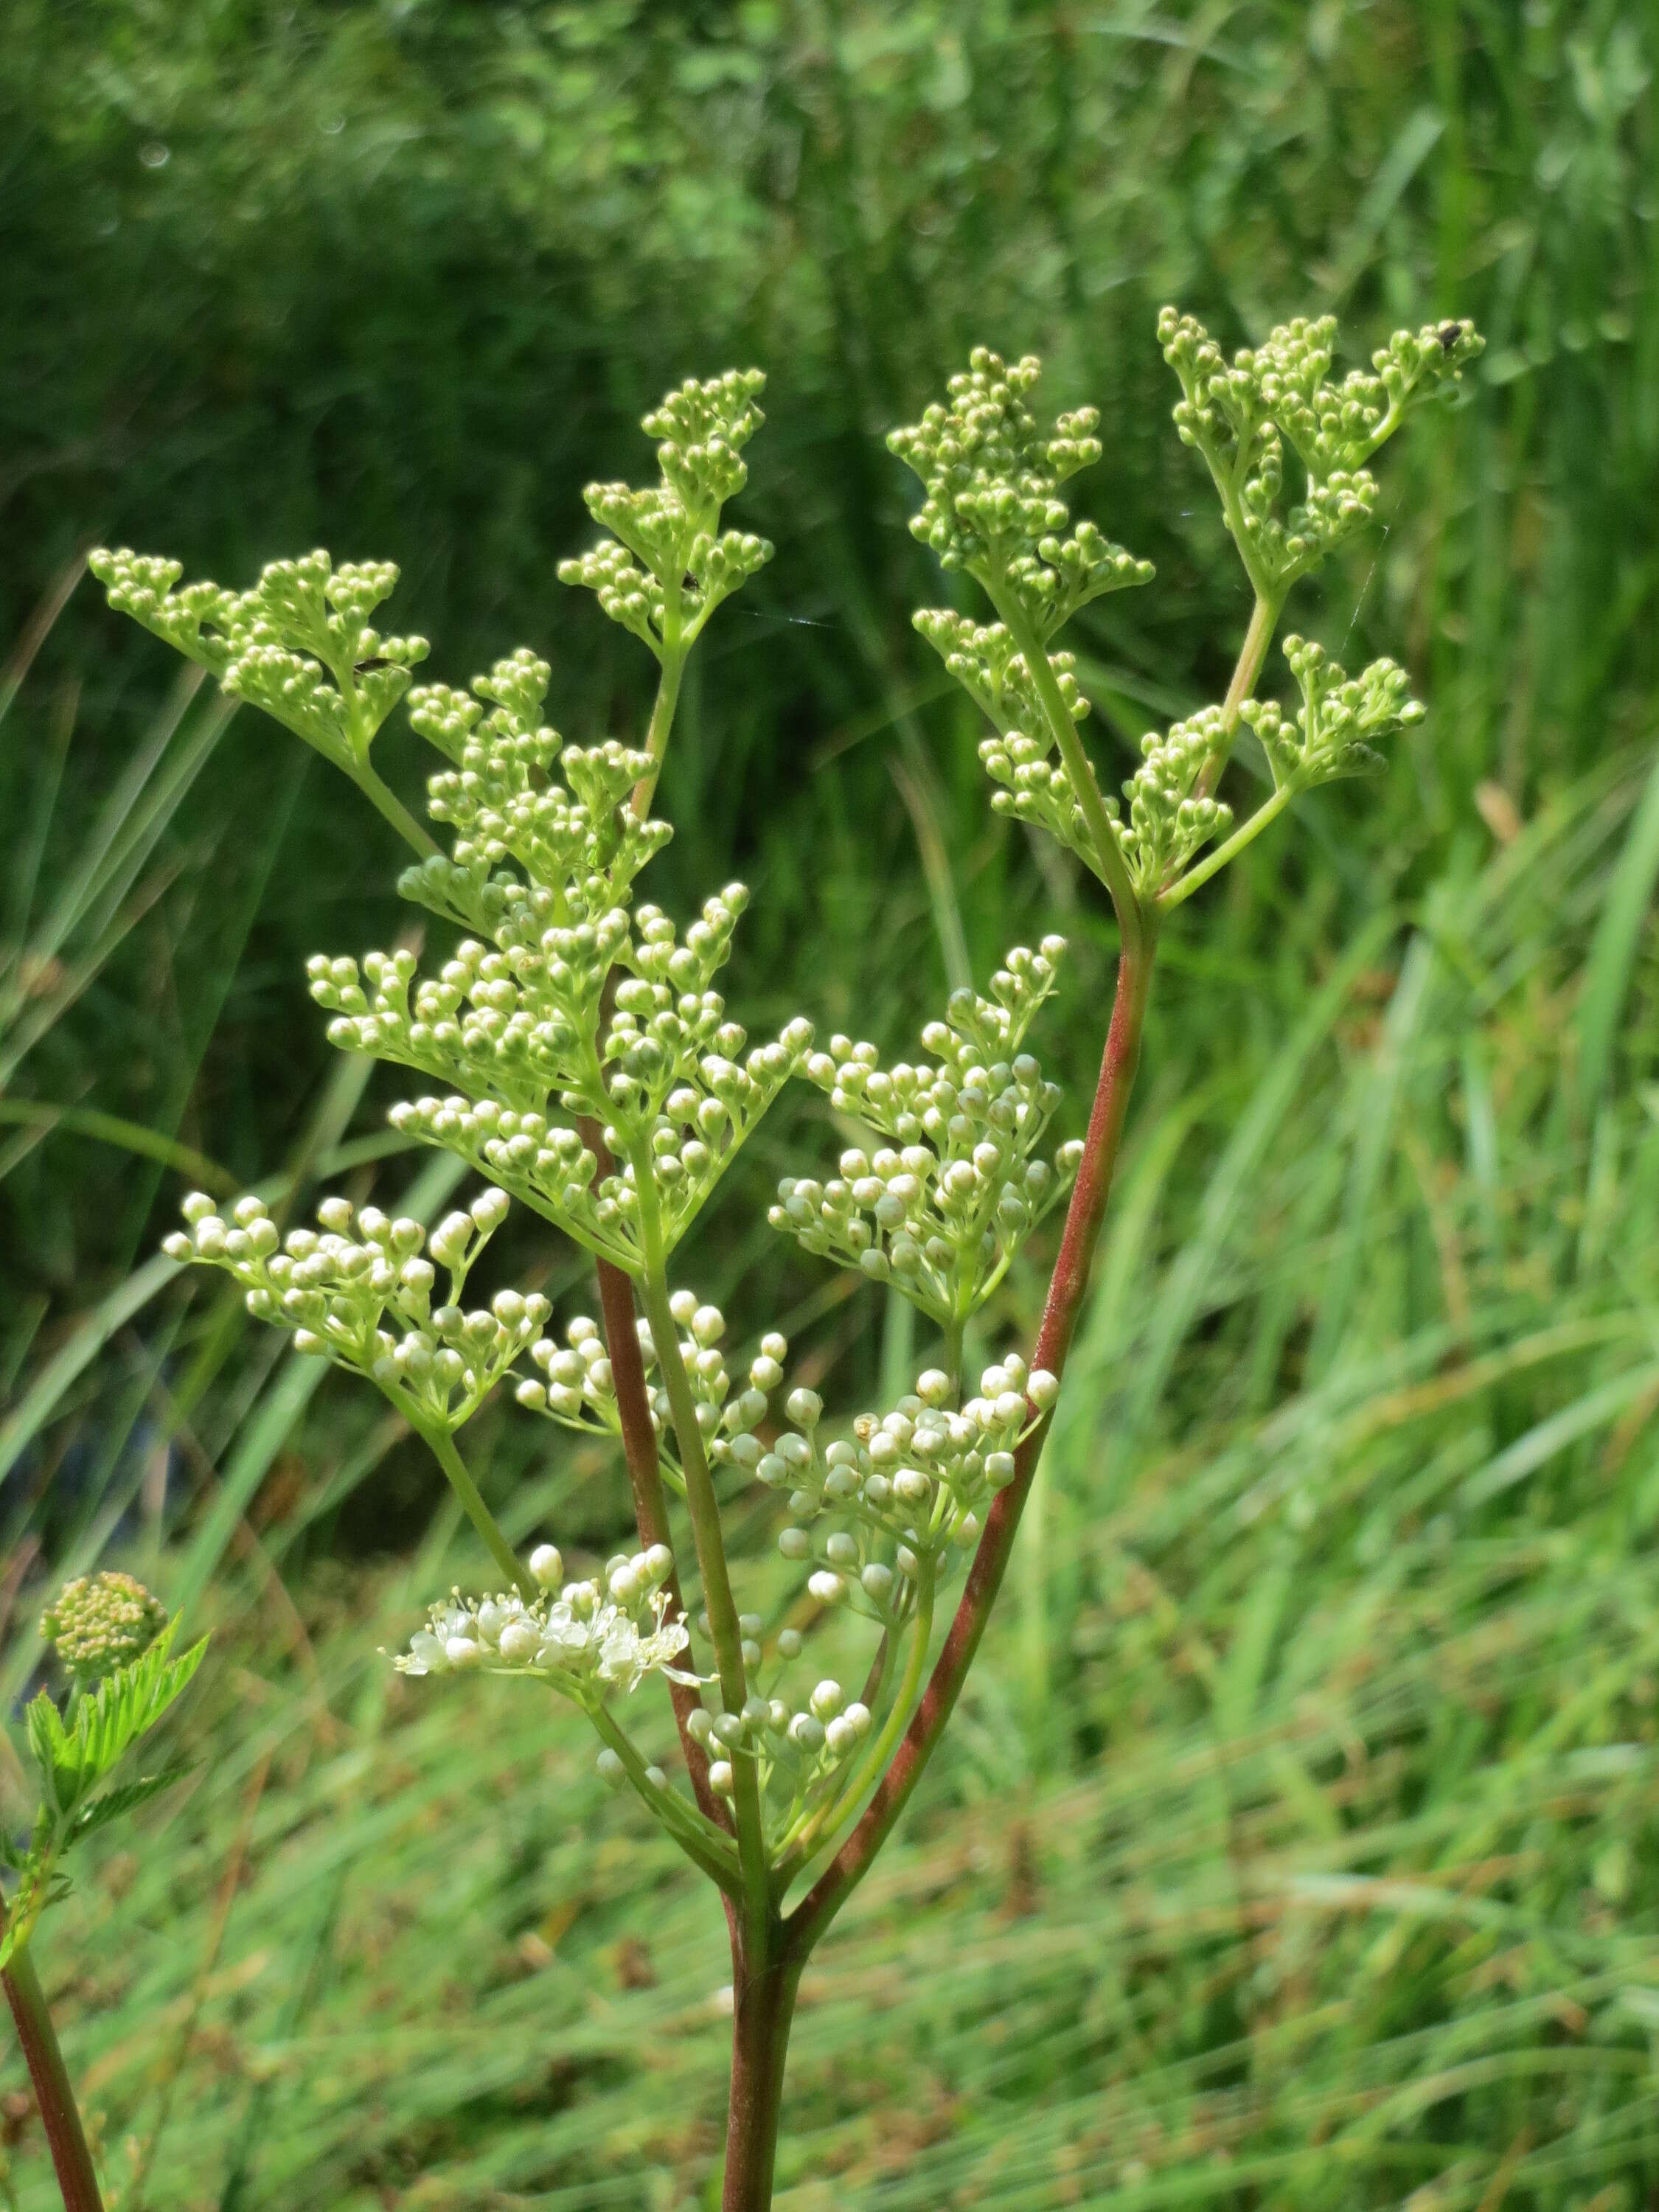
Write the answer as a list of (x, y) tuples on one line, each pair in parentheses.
[(50, 1746), (109, 1720), (125, 1798)]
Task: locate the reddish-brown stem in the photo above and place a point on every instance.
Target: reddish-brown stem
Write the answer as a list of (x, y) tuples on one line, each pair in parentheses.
[(638, 1437), (1059, 1319), (650, 1503), (66, 2140), (763, 1989)]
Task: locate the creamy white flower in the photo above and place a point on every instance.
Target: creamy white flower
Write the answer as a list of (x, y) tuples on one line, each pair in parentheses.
[(581, 1637)]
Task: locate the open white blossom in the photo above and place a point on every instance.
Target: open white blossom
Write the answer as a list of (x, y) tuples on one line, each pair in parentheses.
[(592, 1636)]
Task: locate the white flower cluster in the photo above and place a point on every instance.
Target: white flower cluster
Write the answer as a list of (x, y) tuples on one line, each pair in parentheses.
[(665, 548), (607, 1632), (359, 1290), (992, 477), (1342, 719), (940, 1213), (909, 1483), (1171, 817), (299, 645), (1241, 415)]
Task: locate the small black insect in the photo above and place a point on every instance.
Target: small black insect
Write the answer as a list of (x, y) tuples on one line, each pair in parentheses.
[(1449, 334)]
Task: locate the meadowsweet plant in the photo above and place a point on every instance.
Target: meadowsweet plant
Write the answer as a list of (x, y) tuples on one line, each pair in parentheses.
[(113, 1641), (570, 1045)]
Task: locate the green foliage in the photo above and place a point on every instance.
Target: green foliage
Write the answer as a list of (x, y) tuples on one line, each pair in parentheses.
[(117, 1641), (107, 1722)]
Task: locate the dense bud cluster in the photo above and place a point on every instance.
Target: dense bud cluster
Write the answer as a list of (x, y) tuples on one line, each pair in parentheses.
[(300, 644), (1341, 720), (607, 1632), (361, 1289), (906, 1485), (576, 1385), (1170, 815), (97, 1623), (575, 838), (517, 1025), (666, 565), (992, 477), (940, 1212), (677, 1146), (1033, 784), (1242, 414)]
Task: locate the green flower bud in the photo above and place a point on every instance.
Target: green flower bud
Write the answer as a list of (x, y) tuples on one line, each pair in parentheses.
[(98, 1623)]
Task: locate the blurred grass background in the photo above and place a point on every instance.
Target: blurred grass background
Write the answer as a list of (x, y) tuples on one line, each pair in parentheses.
[(1297, 1846)]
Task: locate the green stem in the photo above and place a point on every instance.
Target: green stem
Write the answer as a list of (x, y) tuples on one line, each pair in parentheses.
[(1212, 863), (662, 713), (60, 2117), (1113, 869), (1264, 618), (387, 802), (953, 1334), (702, 1843), (704, 1508), (874, 1760), (442, 1446)]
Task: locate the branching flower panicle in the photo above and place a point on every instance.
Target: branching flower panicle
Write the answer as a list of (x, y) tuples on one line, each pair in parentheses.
[(582, 1062), (1340, 722), (1241, 415), (666, 565), (300, 645)]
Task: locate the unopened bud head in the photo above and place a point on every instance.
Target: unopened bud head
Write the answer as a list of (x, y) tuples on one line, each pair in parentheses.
[(100, 1622)]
